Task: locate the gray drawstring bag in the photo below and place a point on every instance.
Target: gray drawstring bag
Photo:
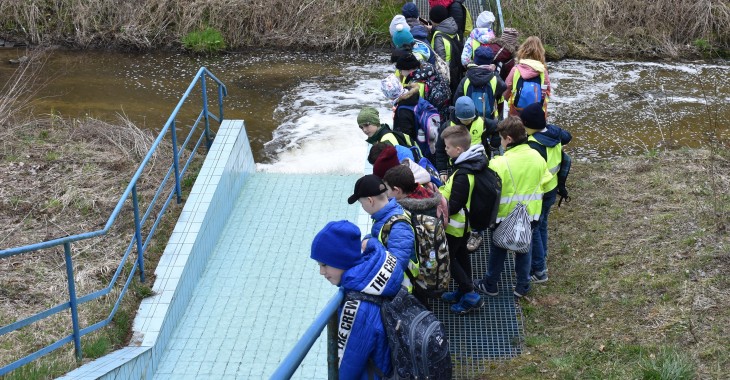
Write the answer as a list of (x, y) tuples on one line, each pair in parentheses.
[(514, 232)]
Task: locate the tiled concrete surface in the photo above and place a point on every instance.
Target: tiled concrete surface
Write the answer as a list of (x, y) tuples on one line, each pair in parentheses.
[(260, 290)]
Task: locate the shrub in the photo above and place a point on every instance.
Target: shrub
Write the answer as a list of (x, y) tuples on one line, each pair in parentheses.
[(207, 41)]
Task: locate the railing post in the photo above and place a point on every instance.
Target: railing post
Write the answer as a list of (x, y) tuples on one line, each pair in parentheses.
[(175, 159), (138, 233), (220, 103), (72, 299), (332, 359), (208, 141)]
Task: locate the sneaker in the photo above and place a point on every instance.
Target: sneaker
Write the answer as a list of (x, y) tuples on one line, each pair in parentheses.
[(482, 287), (539, 277), (520, 294), (470, 301), (451, 297), (475, 240)]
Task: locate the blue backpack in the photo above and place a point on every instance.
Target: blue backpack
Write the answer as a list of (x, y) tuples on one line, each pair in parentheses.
[(528, 91), (428, 119), (483, 98)]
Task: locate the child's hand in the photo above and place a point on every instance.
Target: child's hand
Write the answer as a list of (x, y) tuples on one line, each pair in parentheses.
[(443, 177), (363, 245)]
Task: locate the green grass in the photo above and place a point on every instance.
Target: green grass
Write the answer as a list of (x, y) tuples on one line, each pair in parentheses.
[(206, 41), (52, 156), (669, 364)]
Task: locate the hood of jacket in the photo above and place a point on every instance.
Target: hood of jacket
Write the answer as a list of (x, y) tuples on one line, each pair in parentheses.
[(376, 263), (552, 136), (474, 158), (410, 98), (424, 203), (480, 75), (530, 68), (448, 26), (419, 33), (483, 35)]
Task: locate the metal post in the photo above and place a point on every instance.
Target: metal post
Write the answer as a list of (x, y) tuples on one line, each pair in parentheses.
[(175, 159), (501, 18), (72, 299), (220, 103), (332, 348), (138, 233), (209, 142)]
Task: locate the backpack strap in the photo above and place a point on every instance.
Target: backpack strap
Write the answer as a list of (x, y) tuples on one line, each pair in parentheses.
[(539, 148)]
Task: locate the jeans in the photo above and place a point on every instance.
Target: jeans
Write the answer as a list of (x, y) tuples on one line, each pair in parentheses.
[(460, 263), (496, 266), (540, 234)]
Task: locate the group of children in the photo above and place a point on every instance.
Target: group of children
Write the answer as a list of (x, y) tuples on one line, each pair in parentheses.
[(468, 134)]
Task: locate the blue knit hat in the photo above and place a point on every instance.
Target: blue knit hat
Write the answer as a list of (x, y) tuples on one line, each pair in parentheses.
[(409, 10), (402, 36), (465, 108), (483, 55), (338, 245)]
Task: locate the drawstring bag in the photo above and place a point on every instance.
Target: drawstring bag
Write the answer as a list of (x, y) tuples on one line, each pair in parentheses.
[(514, 232)]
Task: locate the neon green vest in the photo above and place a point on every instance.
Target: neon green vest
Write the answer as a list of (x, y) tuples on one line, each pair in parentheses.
[(457, 222), (493, 85), (554, 158), (476, 129), (447, 44), (527, 182)]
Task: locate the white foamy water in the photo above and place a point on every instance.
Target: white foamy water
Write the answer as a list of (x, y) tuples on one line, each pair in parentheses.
[(319, 132)]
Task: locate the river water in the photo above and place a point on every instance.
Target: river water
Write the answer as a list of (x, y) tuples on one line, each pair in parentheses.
[(300, 109)]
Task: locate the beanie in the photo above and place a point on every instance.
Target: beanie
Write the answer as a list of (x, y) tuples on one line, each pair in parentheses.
[(338, 245), (509, 36), (407, 62), (438, 14), (533, 117), (485, 20), (402, 36), (445, 3), (398, 20), (483, 55), (368, 115), (464, 108), (391, 87), (409, 10), (387, 159)]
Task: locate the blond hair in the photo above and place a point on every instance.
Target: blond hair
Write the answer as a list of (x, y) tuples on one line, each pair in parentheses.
[(532, 49), (458, 136)]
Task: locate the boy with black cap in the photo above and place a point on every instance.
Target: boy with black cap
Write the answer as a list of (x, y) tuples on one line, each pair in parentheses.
[(362, 337), (398, 238), (548, 140)]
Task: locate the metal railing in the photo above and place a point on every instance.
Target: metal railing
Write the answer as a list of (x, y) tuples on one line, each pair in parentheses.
[(327, 317), (136, 241)]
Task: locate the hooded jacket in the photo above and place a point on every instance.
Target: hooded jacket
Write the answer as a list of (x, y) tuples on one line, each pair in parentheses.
[(426, 201), (401, 239), (404, 119), (456, 10), (474, 159), (550, 137), (480, 35), (449, 27), (361, 332)]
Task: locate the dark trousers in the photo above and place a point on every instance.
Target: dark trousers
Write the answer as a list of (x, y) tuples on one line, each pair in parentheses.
[(460, 262)]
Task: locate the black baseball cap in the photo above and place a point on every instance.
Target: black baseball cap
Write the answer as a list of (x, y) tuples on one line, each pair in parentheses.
[(367, 186)]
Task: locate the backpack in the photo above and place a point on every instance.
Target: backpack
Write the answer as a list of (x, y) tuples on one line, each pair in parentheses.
[(419, 347), (429, 120), (432, 251), (432, 171), (527, 91), (435, 88), (514, 232), (483, 98), (485, 199), (442, 68), (406, 141)]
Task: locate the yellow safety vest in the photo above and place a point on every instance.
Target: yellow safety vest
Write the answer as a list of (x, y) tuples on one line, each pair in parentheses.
[(554, 158), (447, 44), (457, 223), (476, 129), (493, 85), (526, 183)]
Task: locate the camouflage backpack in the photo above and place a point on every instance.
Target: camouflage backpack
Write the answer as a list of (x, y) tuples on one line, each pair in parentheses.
[(432, 251)]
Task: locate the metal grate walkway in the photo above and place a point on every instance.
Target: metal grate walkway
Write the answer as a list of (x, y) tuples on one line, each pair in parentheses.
[(475, 7)]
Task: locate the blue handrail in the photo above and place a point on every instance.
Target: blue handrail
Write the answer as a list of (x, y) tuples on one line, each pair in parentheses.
[(136, 239), (327, 317)]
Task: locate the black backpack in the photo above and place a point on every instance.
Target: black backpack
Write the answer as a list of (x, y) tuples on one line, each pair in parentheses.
[(419, 347), (485, 198)]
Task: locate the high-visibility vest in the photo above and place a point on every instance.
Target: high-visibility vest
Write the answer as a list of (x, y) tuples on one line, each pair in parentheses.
[(457, 222), (554, 158), (447, 44), (524, 180), (476, 129)]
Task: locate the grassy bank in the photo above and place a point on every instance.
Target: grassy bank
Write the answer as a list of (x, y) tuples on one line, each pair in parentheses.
[(590, 28), (638, 274)]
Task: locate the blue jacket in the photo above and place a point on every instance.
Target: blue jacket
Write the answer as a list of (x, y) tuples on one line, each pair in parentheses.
[(361, 335), (401, 239), (550, 138)]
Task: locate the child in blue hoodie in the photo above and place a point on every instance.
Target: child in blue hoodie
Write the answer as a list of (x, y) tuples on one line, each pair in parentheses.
[(361, 334), (548, 140)]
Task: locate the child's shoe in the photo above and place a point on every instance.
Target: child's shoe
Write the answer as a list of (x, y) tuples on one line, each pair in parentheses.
[(451, 297), (475, 240), (483, 287), (470, 301), (539, 277)]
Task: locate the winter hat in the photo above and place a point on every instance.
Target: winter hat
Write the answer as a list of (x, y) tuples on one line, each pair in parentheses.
[(391, 87), (509, 36), (533, 117), (337, 245), (407, 62), (402, 36), (483, 55), (485, 20), (438, 14), (409, 10), (465, 108), (388, 158), (368, 115), (367, 186), (445, 3), (398, 20)]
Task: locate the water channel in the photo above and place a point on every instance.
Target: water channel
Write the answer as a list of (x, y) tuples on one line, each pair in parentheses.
[(300, 109)]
